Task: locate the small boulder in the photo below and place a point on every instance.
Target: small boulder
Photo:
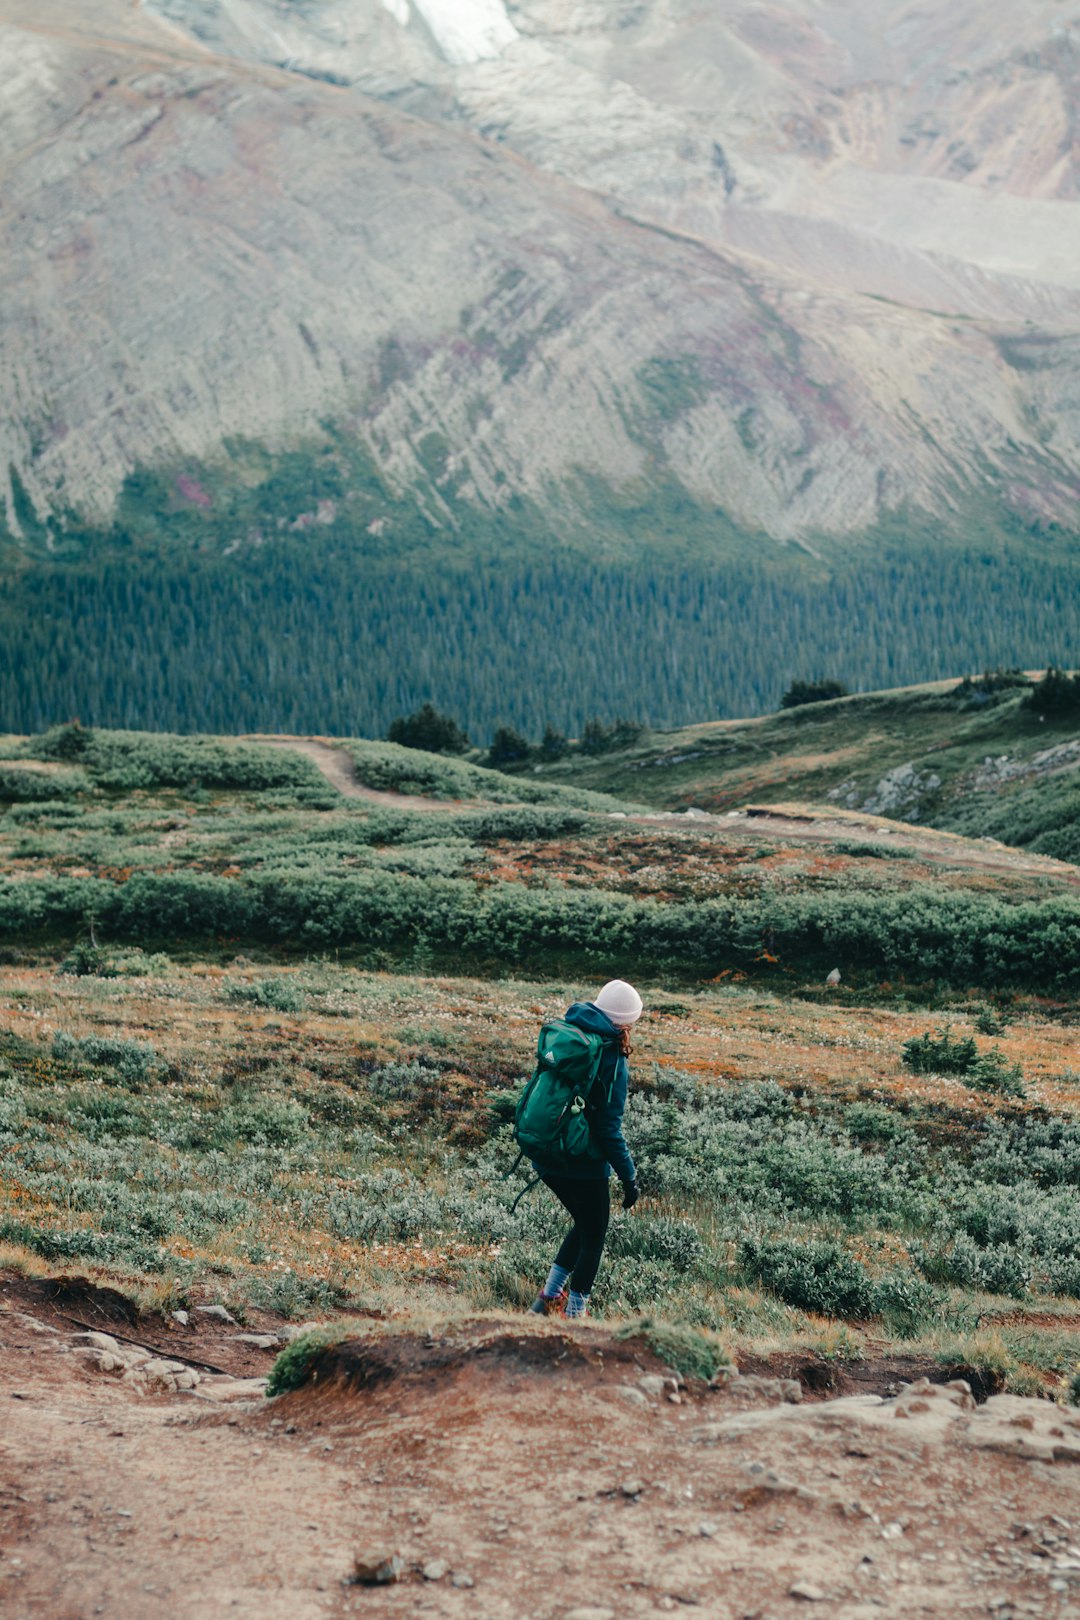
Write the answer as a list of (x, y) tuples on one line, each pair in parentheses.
[(376, 1566), (435, 1569), (808, 1593), (217, 1313)]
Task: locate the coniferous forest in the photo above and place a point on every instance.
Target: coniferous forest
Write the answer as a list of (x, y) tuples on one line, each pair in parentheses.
[(300, 594), (292, 639)]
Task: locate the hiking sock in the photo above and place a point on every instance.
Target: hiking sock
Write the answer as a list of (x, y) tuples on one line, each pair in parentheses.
[(557, 1280), (578, 1304)]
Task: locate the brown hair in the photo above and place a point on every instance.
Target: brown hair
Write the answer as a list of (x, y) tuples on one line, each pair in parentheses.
[(624, 1043)]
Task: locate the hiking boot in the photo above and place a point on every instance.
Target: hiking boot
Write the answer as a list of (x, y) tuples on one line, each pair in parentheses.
[(550, 1304)]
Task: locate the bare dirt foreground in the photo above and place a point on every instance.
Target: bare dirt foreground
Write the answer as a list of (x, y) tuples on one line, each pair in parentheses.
[(505, 1469)]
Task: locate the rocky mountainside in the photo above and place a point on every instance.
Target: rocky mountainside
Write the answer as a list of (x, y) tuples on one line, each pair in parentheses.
[(796, 263)]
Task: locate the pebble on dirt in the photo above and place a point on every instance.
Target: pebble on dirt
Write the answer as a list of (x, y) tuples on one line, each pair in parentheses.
[(809, 1594)]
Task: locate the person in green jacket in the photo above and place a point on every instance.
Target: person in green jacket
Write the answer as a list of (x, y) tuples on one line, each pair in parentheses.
[(582, 1187)]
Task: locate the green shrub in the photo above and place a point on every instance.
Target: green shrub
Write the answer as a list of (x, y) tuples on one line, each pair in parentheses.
[(941, 1054), (279, 995), (596, 738), (988, 1021), (85, 960), (997, 1268), (429, 730), (802, 692), (133, 1061), (816, 1275), (1073, 1393), (991, 682), (293, 1367), (126, 760), (1057, 693), (688, 1350), (657, 1237), (18, 785), (904, 1301), (508, 747)]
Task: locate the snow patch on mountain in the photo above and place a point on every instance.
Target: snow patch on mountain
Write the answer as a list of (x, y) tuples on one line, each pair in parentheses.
[(464, 30)]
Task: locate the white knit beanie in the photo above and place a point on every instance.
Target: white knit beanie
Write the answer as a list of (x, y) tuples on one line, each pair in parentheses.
[(620, 1001)]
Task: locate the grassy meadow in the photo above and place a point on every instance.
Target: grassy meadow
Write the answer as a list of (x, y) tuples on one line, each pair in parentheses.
[(260, 1043)]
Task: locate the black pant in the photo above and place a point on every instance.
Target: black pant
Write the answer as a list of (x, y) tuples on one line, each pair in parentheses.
[(590, 1205)]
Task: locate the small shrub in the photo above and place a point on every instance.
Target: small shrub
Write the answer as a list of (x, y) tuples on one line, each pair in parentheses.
[(133, 1061), (691, 1351), (988, 1021), (658, 1237), (903, 1300), (553, 744), (429, 730), (870, 1122), (1056, 694), (293, 1366), (85, 960), (993, 1072), (278, 995), (596, 738), (1073, 1392), (941, 1054), (990, 683), (997, 1268), (801, 692), (508, 747), (818, 1275)]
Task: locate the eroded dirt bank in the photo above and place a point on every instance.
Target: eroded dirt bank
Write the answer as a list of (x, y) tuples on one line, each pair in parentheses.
[(514, 1470)]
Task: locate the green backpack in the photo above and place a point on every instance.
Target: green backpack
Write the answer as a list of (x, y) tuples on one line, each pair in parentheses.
[(550, 1123)]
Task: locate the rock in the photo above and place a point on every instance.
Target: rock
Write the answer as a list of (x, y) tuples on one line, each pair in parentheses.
[(1022, 1427), (652, 1384), (833, 979), (187, 1379), (435, 1569), (632, 1488), (182, 1317), (588, 1613), (461, 1578), (102, 1361), (632, 1396), (808, 1593), (99, 1341), (707, 1528), (376, 1567), (159, 1372), (217, 1313), (753, 1388), (258, 1341)]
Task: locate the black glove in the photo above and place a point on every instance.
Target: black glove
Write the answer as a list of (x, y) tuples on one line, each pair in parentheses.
[(631, 1192)]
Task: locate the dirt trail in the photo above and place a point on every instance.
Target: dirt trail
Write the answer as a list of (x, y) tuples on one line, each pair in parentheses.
[(340, 772), (933, 845), (796, 824), (519, 1469)]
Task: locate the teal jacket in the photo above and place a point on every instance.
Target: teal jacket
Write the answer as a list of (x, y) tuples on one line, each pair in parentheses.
[(605, 1108)]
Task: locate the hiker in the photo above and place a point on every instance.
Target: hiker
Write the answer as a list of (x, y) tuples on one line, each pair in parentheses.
[(573, 1133)]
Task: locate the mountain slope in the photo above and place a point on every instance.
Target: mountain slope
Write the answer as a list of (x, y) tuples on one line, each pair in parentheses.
[(939, 754), (200, 247)]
